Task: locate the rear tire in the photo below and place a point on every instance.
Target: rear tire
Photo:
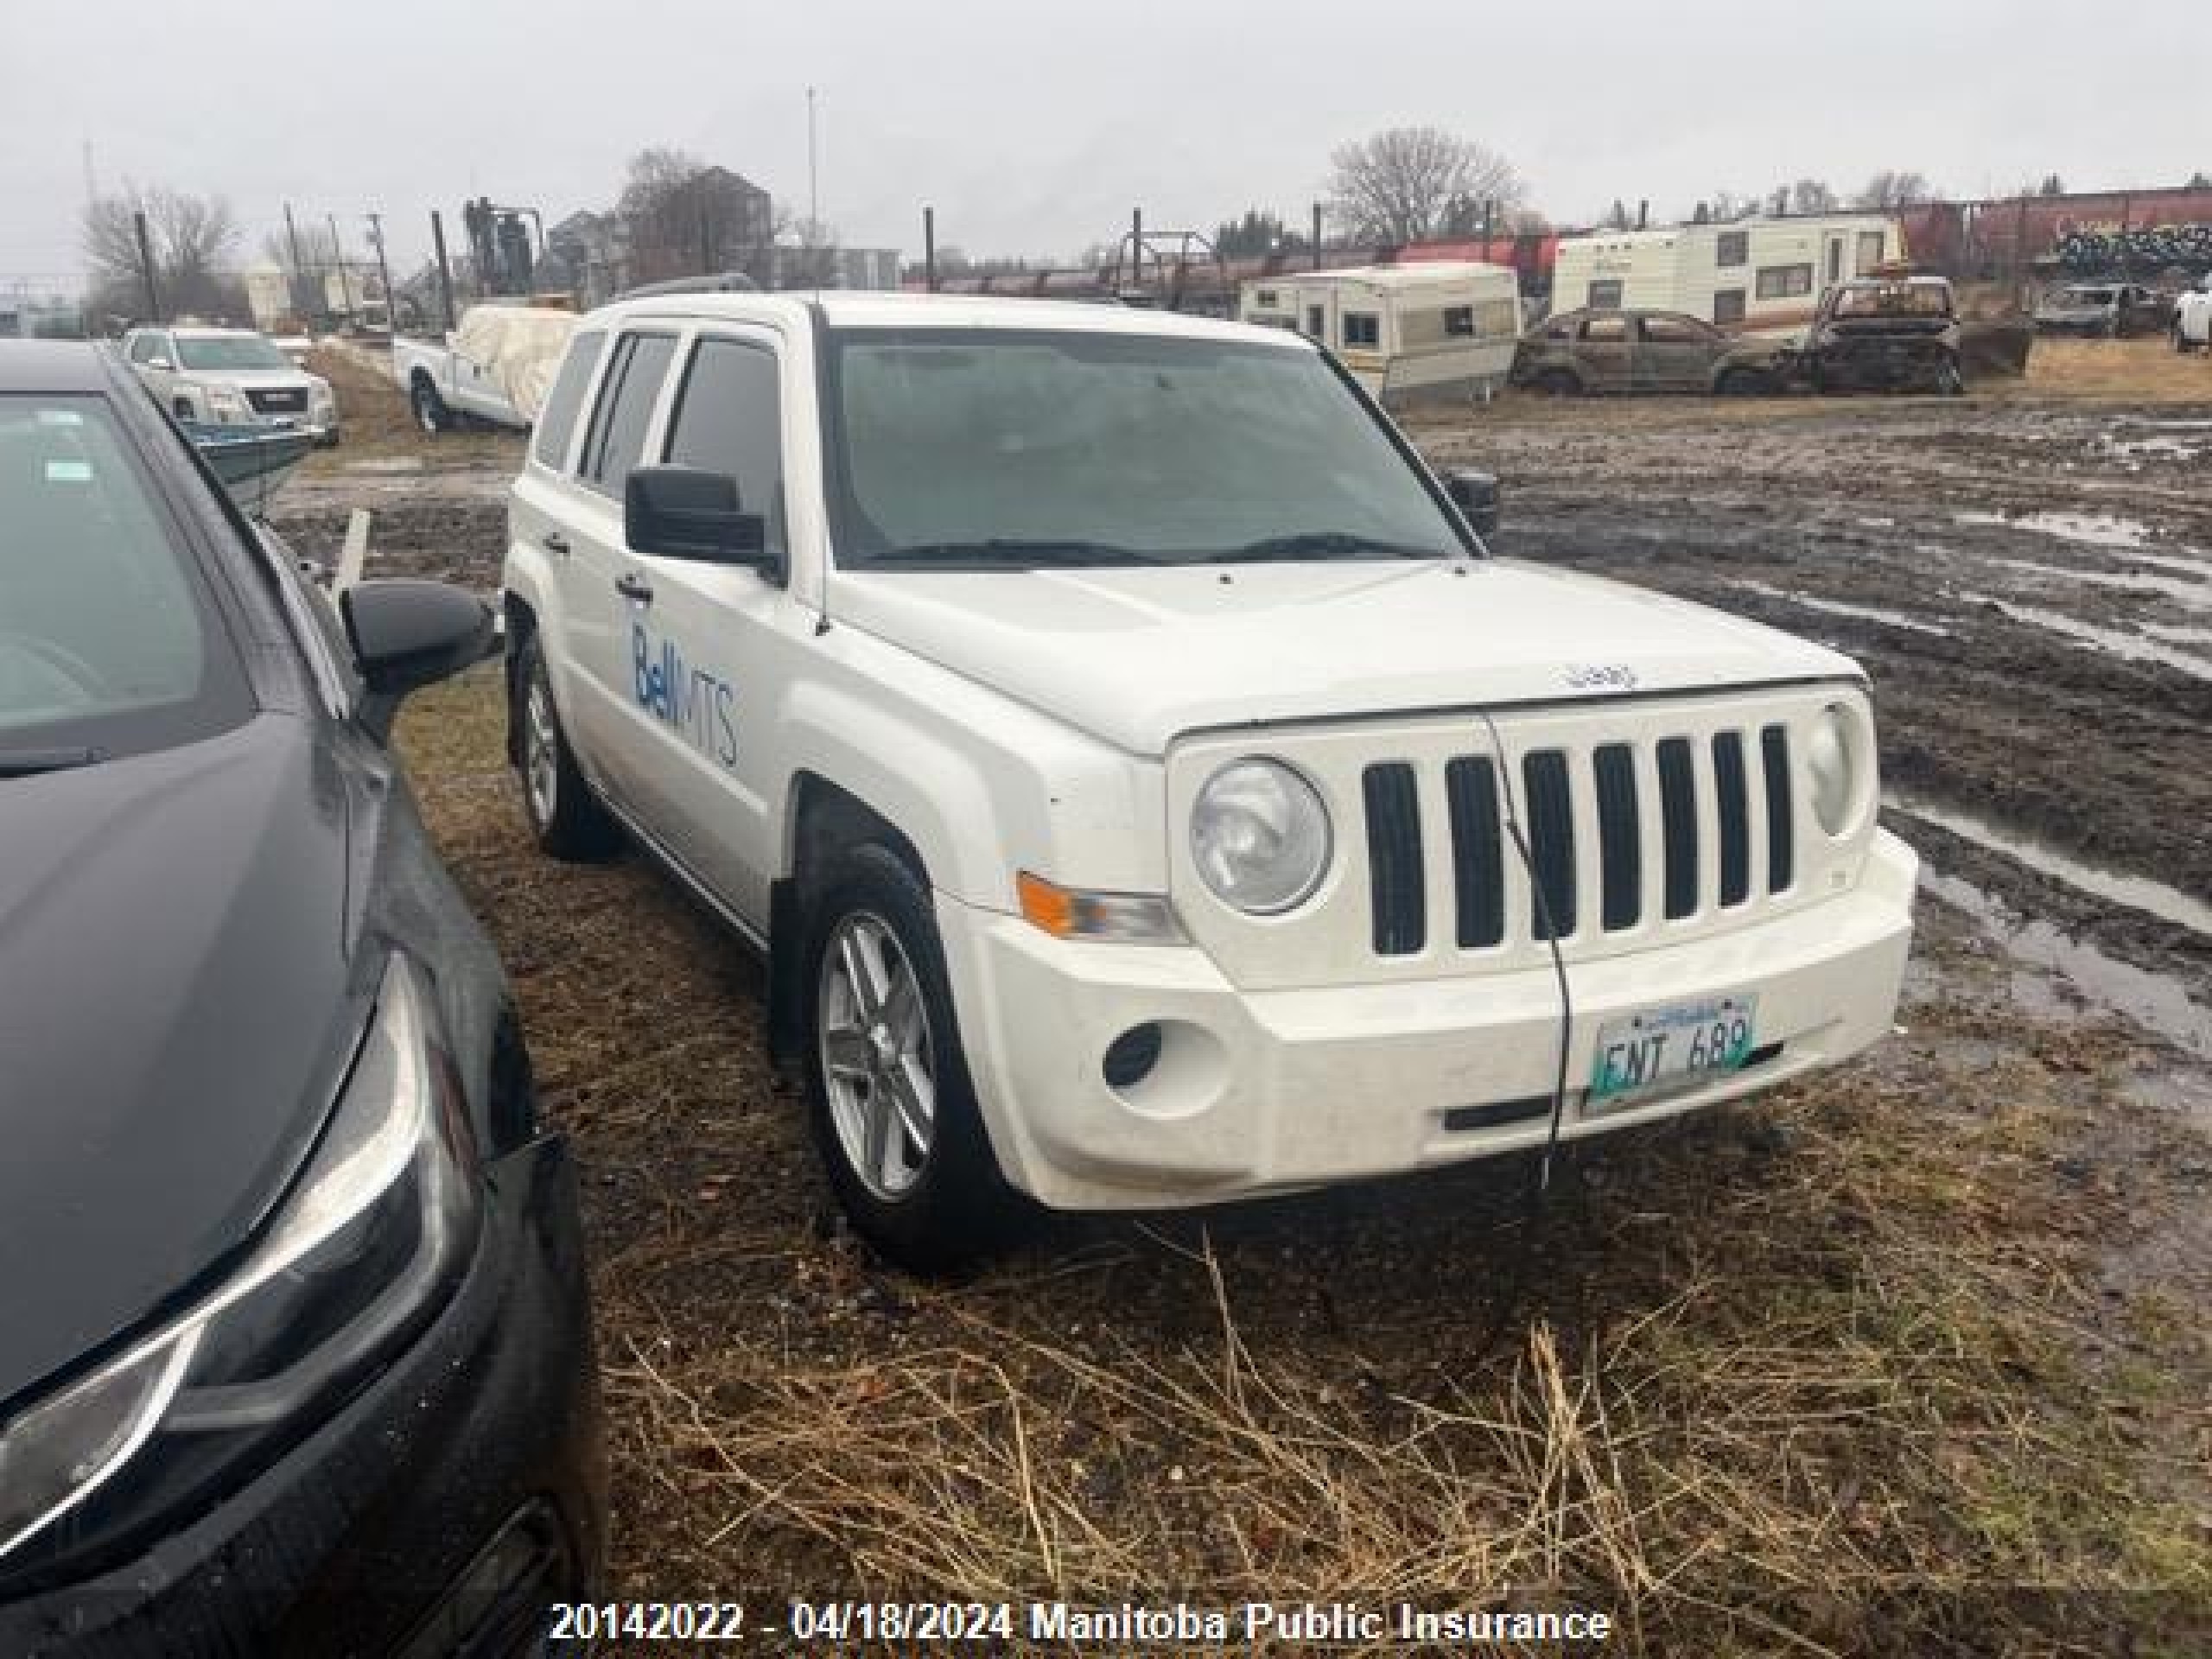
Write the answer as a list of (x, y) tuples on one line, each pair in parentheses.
[(566, 819), (889, 1099), (431, 414), (1557, 382)]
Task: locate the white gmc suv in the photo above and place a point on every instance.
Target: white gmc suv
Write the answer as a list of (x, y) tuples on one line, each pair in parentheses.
[(1144, 784)]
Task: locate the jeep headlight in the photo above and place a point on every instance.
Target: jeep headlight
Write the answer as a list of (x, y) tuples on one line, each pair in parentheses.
[(1260, 837), (1829, 761), (366, 1246), (225, 400)]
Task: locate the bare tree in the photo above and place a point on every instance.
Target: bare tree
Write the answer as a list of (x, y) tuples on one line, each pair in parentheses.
[(1889, 190), (189, 236), (687, 217), (1813, 196), (1408, 183)]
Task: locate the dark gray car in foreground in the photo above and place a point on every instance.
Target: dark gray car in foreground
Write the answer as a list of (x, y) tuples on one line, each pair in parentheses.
[(294, 1354)]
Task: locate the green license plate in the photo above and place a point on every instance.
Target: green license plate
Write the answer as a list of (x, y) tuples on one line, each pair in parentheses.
[(1673, 1044)]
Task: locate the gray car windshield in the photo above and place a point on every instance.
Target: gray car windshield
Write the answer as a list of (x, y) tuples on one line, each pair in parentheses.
[(967, 448), (108, 644), (236, 351)]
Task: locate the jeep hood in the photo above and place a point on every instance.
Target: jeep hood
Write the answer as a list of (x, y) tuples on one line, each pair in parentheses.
[(1136, 656)]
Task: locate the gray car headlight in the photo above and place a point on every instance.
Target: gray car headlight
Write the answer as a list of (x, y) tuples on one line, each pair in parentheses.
[(1260, 837), (372, 1235), (1828, 760)]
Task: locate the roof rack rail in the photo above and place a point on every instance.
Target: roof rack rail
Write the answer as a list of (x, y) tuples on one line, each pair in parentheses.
[(720, 281)]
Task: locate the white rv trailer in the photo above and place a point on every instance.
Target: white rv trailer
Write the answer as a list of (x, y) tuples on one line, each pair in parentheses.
[(1439, 329), (1757, 275)]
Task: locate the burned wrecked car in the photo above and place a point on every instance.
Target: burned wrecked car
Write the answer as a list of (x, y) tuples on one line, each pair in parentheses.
[(1607, 350), (2103, 310), (1886, 333)]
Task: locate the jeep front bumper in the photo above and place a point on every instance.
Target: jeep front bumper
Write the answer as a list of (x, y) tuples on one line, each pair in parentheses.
[(1255, 1092)]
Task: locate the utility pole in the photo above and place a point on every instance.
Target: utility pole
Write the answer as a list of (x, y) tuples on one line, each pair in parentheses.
[(445, 269), (338, 253), (146, 265), (1317, 236), (928, 249), (813, 180), (299, 270), (383, 274)]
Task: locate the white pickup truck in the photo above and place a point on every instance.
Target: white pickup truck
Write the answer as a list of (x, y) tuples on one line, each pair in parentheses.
[(1146, 787), (2192, 330), (493, 369)]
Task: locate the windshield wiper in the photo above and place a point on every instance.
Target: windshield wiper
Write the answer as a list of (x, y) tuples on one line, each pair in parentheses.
[(1320, 544), (1025, 553), (29, 763)]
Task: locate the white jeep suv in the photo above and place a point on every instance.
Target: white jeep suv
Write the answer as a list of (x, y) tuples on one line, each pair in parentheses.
[(1145, 786)]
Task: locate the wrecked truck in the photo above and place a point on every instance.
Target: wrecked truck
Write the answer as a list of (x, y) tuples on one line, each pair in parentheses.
[(1885, 334)]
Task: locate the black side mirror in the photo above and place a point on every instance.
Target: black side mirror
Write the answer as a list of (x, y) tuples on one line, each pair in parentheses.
[(408, 634), (1476, 496), (686, 512)]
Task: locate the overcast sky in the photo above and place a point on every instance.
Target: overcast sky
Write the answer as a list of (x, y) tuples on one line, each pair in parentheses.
[(1035, 125)]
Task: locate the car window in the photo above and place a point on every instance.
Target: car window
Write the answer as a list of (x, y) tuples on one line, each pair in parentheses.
[(1131, 448), (627, 396), (1603, 329), (142, 347), (108, 638), (218, 353), (728, 420), (548, 443), (1675, 331)]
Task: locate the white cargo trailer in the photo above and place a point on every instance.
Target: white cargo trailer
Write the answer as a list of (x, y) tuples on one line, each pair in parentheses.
[(1439, 329), (1756, 275)]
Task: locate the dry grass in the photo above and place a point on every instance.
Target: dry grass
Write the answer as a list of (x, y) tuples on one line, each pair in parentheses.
[(1853, 1372), (2146, 370)]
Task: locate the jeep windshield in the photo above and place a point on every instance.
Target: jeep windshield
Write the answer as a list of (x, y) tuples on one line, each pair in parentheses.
[(109, 642), (970, 448), (235, 353)]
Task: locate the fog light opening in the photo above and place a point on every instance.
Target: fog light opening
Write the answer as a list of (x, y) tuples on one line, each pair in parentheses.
[(1130, 1057)]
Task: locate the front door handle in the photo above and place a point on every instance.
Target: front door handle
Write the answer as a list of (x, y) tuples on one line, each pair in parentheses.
[(631, 586), (554, 542)]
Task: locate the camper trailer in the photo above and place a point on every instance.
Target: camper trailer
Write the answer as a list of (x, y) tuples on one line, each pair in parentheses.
[(1405, 332), (1756, 276)]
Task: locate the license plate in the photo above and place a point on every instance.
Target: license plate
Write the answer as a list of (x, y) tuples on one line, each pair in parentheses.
[(1677, 1043)]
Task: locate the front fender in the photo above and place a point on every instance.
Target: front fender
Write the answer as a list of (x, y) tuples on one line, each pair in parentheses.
[(911, 775)]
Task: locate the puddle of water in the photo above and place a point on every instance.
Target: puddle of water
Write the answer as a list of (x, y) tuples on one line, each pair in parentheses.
[(2083, 529), (2195, 595), (2136, 891), (2189, 564), (1840, 608), (2179, 635), (2152, 1000), (2163, 446), (2089, 636)]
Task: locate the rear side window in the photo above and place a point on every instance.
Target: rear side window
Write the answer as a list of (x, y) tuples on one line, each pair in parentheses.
[(558, 420), (729, 419), (108, 637), (617, 437), (1606, 328)]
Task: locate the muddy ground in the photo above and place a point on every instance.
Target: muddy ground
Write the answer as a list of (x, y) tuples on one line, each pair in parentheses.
[(1909, 1358)]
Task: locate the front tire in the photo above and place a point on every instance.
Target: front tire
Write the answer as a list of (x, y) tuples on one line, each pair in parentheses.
[(431, 414), (566, 819), (1557, 382), (889, 1098)]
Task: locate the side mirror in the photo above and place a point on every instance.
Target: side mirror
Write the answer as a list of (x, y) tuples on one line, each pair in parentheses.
[(687, 512), (408, 634), (1476, 496)]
